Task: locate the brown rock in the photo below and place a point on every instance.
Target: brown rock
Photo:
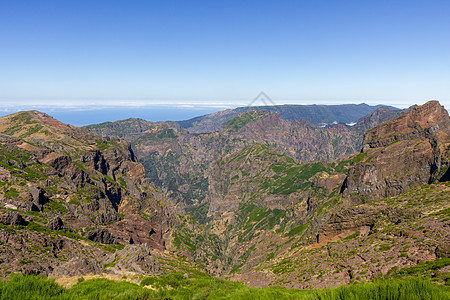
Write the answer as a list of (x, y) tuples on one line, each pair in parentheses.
[(134, 258), (101, 235), (13, 218), (5, 175), (401, 154), (56, 224), (77, 266)]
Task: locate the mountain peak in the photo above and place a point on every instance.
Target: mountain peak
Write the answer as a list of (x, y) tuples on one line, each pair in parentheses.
[(430, 116), (402, 154)]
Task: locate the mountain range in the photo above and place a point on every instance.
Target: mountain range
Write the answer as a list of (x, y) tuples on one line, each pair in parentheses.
[(267, 197)]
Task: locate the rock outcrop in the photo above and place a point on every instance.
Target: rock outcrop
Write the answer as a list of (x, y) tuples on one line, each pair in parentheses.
[(402, 154), (134, 258), (100, 235), (77, 266), (11, 218)]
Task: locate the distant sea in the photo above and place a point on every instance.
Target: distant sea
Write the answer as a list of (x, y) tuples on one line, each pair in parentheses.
[(94, 115)]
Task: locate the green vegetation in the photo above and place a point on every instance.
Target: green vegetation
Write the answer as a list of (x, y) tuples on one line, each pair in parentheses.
[(252, 218), (342, 166), (12, 193), (291, 177), (298, 230), (177, 286), (31, 130), (359, 157), (168, 133), (243, 119), (101, 145), (55, 206), (122, 182), (413, 288), (427, 269), (108, 178)]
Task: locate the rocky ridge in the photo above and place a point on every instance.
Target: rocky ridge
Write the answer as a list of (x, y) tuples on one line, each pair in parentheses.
[(318, 115), (68, 198)]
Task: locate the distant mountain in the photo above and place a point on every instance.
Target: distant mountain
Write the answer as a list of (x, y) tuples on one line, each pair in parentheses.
[(319, 115)]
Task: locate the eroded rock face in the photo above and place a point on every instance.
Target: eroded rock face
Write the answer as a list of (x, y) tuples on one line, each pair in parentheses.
[(183, 163), (12, 218), (77, 266), (56, 224), (100, 235), (134, 258), (402, 154), (136, 230)]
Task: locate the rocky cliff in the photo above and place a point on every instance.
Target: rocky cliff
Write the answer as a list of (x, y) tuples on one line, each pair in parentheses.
[(402, 154)]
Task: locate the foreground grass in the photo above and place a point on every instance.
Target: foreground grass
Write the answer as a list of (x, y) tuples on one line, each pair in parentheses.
[(176, 286)]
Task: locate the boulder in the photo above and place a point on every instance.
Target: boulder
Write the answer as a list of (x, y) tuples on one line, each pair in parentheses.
[(100, 235), (56, 224), (13, 218)]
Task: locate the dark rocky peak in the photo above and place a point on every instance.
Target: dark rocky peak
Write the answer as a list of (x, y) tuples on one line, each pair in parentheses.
[(377, 117)]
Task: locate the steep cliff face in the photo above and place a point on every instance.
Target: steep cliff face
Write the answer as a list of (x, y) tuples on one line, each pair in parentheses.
[(402, 154), (69, 183)]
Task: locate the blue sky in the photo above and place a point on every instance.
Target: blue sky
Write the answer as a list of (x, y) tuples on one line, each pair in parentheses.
[(224, 52)]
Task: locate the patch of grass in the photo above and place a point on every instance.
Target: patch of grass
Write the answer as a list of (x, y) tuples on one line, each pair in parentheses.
[(168, 133), (385, 247), (55, 206), (243, 119), (360, 157), (298, 229), (352, 236), (109, 179), (101, 145), (31, 130), (427, 269), (413, 288), (342, 166), (11, 193), (122, 182)]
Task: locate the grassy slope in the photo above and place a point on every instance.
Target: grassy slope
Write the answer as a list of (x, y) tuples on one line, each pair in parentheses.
[(176, 286)]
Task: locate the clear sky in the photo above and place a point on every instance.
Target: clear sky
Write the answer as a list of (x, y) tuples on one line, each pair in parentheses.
[(222, 52)]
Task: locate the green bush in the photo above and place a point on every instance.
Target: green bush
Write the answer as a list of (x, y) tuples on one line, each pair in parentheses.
[(30, 287)]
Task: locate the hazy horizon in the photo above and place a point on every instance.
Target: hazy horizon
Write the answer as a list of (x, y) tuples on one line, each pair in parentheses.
[(87, 114)]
